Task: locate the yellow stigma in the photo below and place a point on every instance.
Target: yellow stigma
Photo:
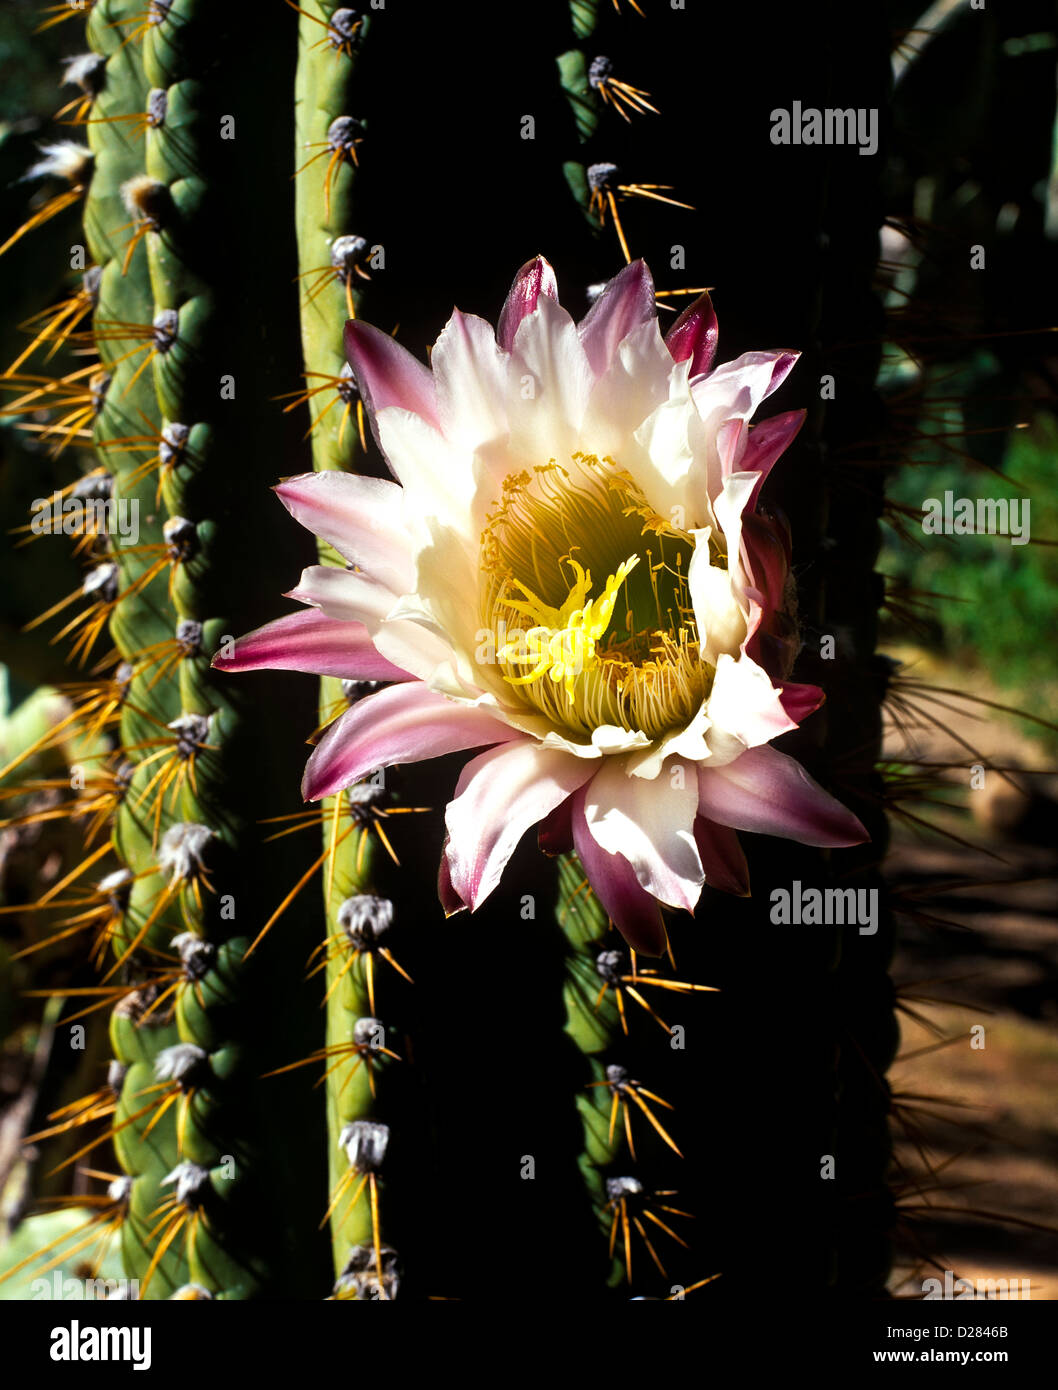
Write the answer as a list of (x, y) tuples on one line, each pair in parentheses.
[(562, 644)]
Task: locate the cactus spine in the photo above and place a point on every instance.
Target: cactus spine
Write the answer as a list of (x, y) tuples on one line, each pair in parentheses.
[(143, 617), (332, 256)]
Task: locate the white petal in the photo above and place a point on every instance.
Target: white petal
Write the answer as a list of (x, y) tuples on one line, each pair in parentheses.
[(361, 517), (548, 385), (610, 738), (437, 479), (736, 388), (631, 389), (743, 702), (470, 373), (415, 649), (717, 611), (652, 824), (688, 744), (499, 795), (343, 594)]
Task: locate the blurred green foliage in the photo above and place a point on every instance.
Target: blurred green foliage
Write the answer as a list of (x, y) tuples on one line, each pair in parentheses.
[(999, 607), (28, 59)]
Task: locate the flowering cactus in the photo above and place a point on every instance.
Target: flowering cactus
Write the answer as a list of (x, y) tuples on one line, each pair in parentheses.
[(631, 714), (572, 585)]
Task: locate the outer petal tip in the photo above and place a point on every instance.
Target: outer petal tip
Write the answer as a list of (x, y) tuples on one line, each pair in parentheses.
[(625, 304), (450, 900), (387, 374), (535, 278), (784, 365), (694, 335)]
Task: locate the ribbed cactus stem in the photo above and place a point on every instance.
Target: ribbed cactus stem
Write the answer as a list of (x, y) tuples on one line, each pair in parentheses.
[(212, 371), (595, 1027), (141, 619), (332, 256)]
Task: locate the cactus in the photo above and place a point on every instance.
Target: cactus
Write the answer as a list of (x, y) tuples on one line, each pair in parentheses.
[(252, 947), (332, 265), (141, 619)]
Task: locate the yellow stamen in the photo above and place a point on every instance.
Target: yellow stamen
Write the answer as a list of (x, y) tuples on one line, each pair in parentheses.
[(565, 638), (635, 664)]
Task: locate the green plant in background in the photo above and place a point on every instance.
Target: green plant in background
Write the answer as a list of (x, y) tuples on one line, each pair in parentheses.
[(500, 1096), (971, 570)]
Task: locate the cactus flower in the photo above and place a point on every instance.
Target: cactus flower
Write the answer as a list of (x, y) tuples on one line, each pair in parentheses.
[(571, 576)]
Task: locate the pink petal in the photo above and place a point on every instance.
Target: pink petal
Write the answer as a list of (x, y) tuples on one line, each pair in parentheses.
[(555, 832), (769, 793), (766, 557), (767, 442), (361, 517), (799, 701), (387, 374), (534, 279), (694, 335), (449, 898), (722, 858), (625, 304), (310, 641), (785, 362), (499, 795), (730, 446), (404, 724), (635, 914), (738, 387)]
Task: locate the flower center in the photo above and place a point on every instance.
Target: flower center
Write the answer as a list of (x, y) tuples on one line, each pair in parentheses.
[(584, 594)]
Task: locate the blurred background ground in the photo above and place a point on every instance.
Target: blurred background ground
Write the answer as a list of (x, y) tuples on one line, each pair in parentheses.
[(978, 945)]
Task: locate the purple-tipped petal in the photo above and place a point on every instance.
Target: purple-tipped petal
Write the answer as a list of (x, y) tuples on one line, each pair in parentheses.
[(447, 895), (799, 701), (694, 335), (555, 832), (765, 556), (535, 278), (625, 304), (499, 795), (309, 641), (361, 517), (784, 365), (405, 724), (737, 388), (771, 794), (387, 374), (767, 442), (722, 858), (635, 914)]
